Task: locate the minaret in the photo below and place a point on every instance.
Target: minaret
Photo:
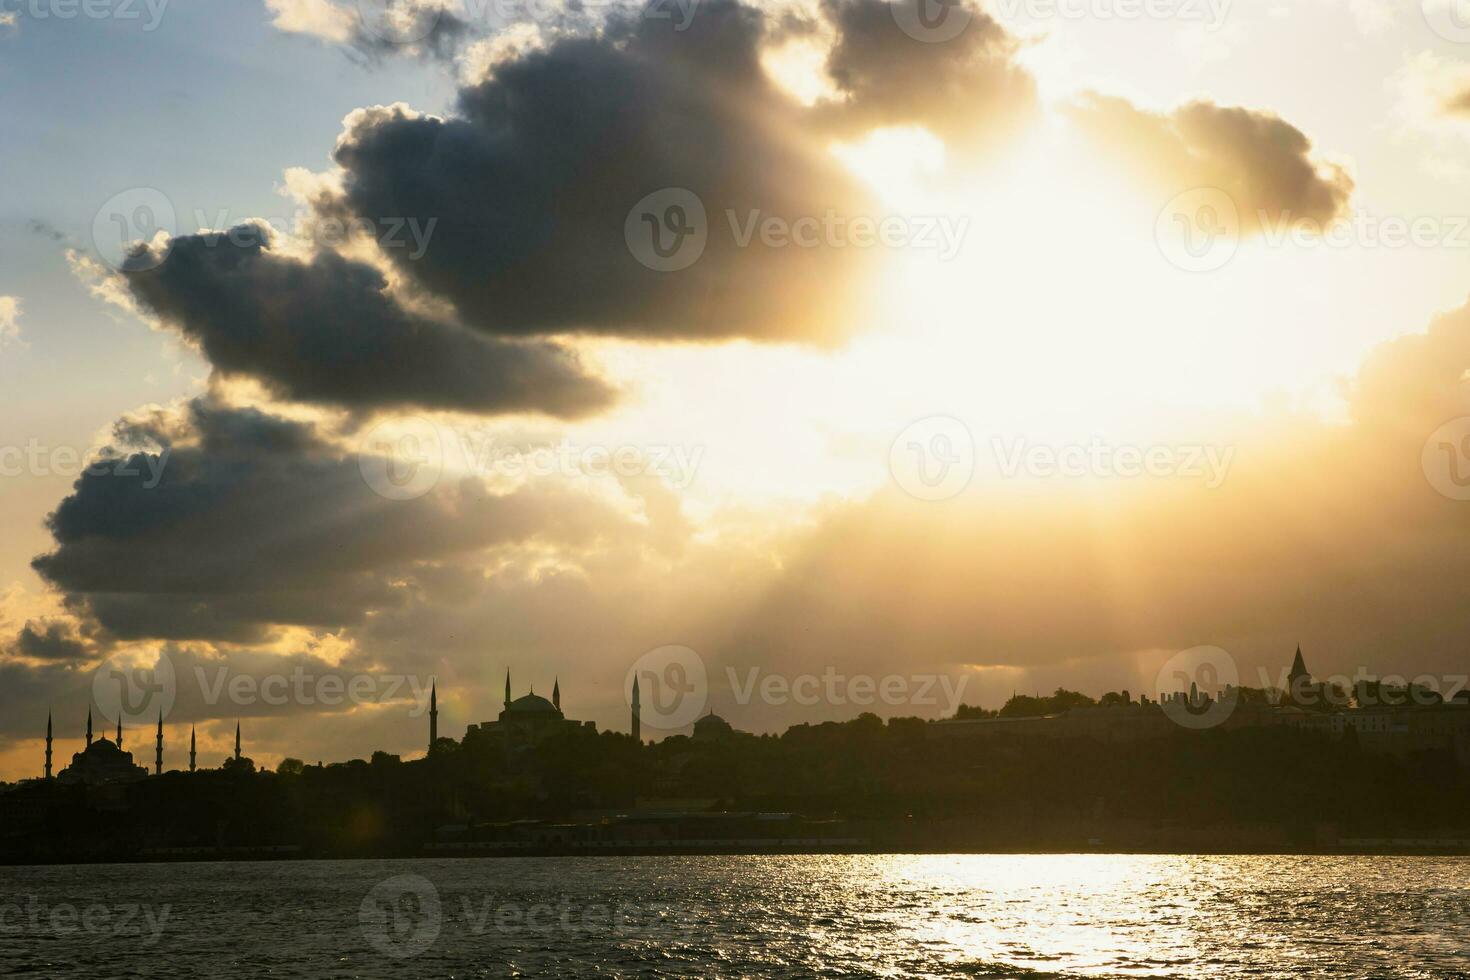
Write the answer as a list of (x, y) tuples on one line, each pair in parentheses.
[(89, 727), (237, 741), (556, 694), (158, 750), (48, 745), (507, 687), (637, 726), (119, 731), (1298, 667), (433, 714), (191, 748)]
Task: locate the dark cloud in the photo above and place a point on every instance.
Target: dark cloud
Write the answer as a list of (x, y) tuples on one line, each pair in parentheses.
[(256, 521), (52, 640), (1264, 163), (967, 89), (325, 330), (533, 181)]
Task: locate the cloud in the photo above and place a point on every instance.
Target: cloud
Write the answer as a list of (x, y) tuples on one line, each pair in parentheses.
[(227, 521), (536, 178), (9, 23), (9, 320), (325, 330), (1264, 163), (53, 641), (965, 89), (1433, 92), (375, 28), (1323, 533)]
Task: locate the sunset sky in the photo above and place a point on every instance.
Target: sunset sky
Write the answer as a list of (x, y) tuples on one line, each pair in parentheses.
[(1044, 177)]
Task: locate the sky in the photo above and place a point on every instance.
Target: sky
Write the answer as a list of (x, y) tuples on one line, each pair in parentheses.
[(770, 352)]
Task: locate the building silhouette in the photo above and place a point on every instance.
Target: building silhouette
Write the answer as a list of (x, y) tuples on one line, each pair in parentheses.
[(528, 720), (99, 763)]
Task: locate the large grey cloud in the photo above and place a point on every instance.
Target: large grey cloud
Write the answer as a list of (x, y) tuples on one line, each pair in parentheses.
[(325, 329), (534, 177), (256, 521)]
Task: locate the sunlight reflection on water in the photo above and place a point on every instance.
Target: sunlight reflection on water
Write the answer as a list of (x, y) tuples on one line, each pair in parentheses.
[(891, 916)]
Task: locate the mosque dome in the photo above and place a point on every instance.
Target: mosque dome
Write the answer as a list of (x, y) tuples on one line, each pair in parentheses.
[(712, 726), (531, 704)]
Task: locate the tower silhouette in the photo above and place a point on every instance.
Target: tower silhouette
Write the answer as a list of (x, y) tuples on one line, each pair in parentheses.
[(433, 714), (119, 730), (237, 740), (48, 745), (507, 687), (89, 726), (158, 749), (556, 694), (637, 724), (191, 748)]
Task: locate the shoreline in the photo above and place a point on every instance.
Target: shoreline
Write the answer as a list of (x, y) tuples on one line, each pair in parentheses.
[(287, 854)]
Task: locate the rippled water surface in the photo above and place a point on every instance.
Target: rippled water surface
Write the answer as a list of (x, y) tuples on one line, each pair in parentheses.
[(891, 916)]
